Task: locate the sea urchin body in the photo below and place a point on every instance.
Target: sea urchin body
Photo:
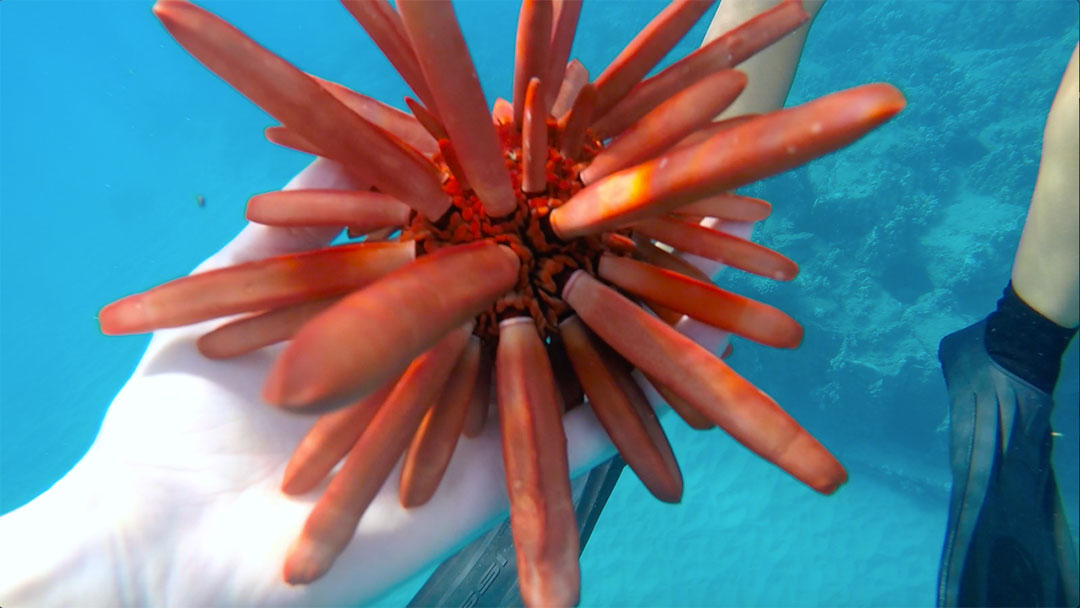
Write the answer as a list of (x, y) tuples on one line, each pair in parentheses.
[(519, 247)]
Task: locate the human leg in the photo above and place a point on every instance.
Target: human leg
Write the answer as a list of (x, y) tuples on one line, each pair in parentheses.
[(1007, 540)]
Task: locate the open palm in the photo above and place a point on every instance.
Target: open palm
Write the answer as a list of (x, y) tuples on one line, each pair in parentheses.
[(178, 501)]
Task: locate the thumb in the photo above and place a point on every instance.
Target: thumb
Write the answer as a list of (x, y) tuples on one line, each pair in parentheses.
[(256, 241)]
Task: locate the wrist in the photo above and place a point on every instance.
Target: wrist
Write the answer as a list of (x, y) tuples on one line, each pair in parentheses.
[(59, 549)]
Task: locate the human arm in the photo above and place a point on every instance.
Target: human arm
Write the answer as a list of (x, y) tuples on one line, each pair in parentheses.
[(770, 71)]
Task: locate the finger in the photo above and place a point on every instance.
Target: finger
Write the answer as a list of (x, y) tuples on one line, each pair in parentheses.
[(712, 268)]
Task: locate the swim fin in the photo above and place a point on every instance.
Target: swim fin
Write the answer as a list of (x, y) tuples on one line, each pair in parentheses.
[(484, 573), (1007, 541)]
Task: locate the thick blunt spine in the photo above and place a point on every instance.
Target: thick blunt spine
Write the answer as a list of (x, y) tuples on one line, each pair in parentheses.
[(704, 381), (744, 153), (261, 285), (368, 337), (448, 69), (537, 473)]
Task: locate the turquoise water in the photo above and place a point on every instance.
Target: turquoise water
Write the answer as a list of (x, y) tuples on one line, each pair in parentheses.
[(110, 133)]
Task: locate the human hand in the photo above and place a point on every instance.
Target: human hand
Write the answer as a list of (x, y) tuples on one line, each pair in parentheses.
[(178, 501)]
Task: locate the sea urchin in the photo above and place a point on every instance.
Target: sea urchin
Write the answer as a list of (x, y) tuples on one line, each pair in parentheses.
[(514, 248)]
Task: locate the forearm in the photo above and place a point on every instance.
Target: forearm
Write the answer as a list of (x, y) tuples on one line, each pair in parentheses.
[(56, 549), (770, 72), (1045, 271)]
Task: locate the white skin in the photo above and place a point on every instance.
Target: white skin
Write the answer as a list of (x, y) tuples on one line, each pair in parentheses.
[(1045, 272), (770, 72), (177, 501)]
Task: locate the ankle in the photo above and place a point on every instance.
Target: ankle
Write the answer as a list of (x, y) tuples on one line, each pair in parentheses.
[(1026, 343)]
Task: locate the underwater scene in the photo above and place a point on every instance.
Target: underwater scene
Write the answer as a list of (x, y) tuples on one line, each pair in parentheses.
[(124, 163)]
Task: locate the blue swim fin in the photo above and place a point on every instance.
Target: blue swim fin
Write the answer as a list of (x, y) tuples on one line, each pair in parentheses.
[(1007, 541)]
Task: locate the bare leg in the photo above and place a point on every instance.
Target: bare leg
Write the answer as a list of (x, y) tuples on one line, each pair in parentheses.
[(1045, 272), (1007, 542)]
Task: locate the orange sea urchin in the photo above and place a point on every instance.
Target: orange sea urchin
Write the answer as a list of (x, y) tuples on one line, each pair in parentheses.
[(518, 244)]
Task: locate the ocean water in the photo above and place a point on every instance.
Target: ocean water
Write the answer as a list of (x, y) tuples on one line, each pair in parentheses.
[(109, 134)]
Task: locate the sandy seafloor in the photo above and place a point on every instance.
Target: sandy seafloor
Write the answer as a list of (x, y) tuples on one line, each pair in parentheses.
[(110, 132)]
